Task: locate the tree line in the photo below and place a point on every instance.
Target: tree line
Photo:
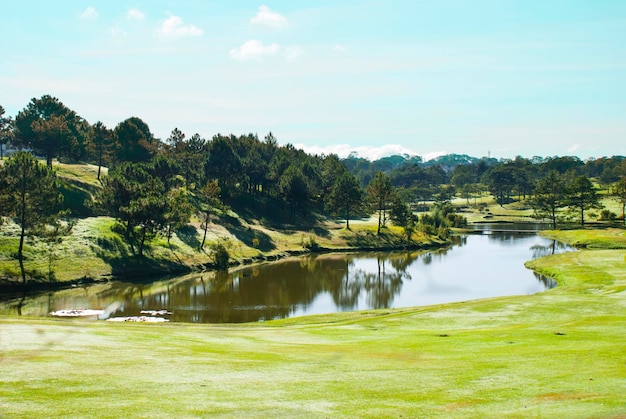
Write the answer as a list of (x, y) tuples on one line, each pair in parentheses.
[(153, 186)]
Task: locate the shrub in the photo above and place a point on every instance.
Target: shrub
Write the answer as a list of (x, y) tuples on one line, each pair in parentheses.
[(607, 215), (221, 256), (309, 242)]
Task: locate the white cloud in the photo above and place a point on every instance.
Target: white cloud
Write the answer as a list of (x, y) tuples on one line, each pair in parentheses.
[(173, 27), (135, 14), (434, 155), (89, 14), (252, 50), (266, 17)]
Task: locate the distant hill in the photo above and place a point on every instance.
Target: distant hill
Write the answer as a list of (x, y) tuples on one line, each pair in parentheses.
[(448, 162)]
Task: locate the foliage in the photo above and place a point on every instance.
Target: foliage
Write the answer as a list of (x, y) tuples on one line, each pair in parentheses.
[(6, 131), (379, 194), (178, 210), (402, 216), (29, 193), (221, 256), (500, 181), (294, 189), (309, 242), (51, 129), (133, 196), (582, 196), (440, 221), (209, 196), (189, 154), (223, 164), (346, 195), (550, 195), (133, 141), (618, 191), (102, 145)]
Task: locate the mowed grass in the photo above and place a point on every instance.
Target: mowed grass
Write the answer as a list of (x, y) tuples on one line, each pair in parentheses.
[(608, 238), (560, 353)]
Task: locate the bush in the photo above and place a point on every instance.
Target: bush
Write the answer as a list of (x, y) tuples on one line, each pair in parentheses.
[(221, 256), (607, 215), (309, 242)]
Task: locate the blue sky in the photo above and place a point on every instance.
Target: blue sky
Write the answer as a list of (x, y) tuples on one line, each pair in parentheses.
[(426, 77)]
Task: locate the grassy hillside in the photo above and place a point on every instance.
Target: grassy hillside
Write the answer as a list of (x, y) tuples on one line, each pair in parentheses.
[(559, 353), (95, 249), (250, 230)]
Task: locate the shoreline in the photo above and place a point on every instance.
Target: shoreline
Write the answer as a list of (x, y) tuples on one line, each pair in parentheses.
[(16, 287)]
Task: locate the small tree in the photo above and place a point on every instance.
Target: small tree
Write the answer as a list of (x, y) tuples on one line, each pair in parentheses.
[(619, 193), (402, 216), (210, 196), (102, 144), (582, 196), (133, 141), (178, 211), (379, 194), (346, 194), (550, 195), (221, 256), (52, 136), (29, 193), (135, 198), (50, 128)]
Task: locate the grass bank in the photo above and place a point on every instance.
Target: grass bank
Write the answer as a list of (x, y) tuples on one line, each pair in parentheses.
[(555, 354), (253, 230), (96, 251)]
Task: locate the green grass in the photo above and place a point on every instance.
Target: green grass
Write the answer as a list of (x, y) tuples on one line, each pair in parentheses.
[(608, 238), (559, 353), (84, 173), (96, 250)]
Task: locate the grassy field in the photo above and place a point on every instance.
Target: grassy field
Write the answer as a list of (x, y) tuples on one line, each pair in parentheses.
[(560, 353)]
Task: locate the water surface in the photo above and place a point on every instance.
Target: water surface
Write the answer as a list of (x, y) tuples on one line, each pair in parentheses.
[(479, 266)]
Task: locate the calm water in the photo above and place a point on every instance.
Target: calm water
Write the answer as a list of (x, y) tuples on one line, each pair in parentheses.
[(479, 266)]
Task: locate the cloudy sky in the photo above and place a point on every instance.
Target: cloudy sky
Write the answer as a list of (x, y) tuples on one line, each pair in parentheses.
[(506, 77)]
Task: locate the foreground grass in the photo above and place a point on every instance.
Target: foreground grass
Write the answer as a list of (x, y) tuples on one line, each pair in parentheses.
[(555, 354)]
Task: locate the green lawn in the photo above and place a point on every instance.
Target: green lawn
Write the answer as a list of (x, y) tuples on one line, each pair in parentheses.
[(561, 353)]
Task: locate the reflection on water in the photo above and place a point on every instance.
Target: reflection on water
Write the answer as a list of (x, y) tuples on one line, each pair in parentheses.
[(478, 266)]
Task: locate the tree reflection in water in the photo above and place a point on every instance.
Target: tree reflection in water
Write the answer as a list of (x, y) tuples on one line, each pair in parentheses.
[(476, 267)]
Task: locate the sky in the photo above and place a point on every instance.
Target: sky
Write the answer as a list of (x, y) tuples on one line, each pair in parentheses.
[(419, 77)]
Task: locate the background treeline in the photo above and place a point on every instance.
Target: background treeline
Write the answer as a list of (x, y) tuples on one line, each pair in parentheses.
[(248, 165), (155, 186)]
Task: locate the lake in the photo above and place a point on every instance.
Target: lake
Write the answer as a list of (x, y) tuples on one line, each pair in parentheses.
[(478, 266)]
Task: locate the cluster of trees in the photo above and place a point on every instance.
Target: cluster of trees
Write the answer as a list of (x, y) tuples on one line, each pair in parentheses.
[(550, 184), (154, 186), (30, 194)]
